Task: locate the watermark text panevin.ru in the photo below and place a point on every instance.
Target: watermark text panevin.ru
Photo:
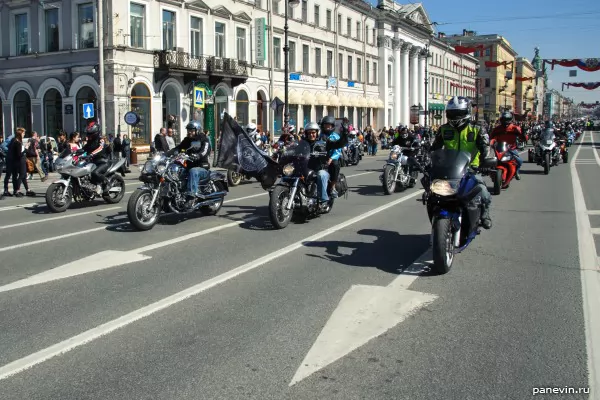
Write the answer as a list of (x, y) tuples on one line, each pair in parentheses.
[(560, 390)]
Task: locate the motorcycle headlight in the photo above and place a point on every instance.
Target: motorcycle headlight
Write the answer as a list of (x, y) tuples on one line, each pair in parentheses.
[(148, 167), (288, 169), (548, 142), (161, 169), (393, 156), (505, 159), (444, 188)]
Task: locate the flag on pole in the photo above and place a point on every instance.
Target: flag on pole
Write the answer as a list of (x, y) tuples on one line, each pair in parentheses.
[(276, 104)]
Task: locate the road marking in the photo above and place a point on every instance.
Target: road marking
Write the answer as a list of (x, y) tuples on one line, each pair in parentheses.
[(69, 344), (590, 281), (593, 212), (60, 217), (596, 156), (18, 206), (595, 231), (364, 313)]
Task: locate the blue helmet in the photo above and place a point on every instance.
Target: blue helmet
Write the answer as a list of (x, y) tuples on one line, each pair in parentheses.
[(194, 126)]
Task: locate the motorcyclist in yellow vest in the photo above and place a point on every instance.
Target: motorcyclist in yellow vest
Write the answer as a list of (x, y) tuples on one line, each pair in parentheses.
[(459, 134)]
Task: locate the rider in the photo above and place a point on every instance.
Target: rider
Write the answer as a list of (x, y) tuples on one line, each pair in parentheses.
[(335, 143), (252, 131), (404, 138), (95, 148), (509, 133), (197, 147), (459, 134), (317, 164)]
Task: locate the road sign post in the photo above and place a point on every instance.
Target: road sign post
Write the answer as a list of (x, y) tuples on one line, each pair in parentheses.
[(199, 96)]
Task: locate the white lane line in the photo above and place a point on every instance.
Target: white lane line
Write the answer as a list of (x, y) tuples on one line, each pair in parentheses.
[(18, 206), (595, 231), (596, 156), (590, 281), (88, 336), (60, 217)]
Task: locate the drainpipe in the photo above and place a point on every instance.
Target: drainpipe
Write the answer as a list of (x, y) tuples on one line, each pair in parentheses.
[(101, 66), (364, 61), (336, 57), (271, 123)]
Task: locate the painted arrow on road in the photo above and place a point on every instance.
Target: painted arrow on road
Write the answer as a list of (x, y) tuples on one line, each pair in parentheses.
[(364, 313)]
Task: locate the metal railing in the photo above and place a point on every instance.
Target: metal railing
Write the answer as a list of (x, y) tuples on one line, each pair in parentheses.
[(168, 59)]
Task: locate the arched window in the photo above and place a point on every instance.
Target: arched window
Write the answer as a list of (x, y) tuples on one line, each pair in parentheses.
[(85, 95), (22, 110), (242, 106), (141, 105), (53, 116)]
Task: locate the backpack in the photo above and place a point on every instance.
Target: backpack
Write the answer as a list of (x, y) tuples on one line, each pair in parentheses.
[(341, 186), (6, 143)]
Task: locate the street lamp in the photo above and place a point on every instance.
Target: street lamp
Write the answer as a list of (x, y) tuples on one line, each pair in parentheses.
[(477, 92), (427, 56), (286, 51)]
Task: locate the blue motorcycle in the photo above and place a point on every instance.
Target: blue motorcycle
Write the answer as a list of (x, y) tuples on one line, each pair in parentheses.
[(453, 204)]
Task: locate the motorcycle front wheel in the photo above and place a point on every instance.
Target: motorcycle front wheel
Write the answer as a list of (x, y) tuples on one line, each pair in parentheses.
[(214, 208), (55, 200), (279, 216), (140, 216), (565, 157), (547, 161), (497, 182), (443, 246), (389, 181)]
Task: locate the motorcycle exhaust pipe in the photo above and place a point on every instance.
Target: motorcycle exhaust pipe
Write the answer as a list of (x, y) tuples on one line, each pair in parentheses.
[(212, 195)]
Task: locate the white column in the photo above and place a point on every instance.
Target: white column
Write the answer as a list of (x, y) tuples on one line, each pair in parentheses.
[(404, 86), (414, 77), (397, 85), (422, 94)]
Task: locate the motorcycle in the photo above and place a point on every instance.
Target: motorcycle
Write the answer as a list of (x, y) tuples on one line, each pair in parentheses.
[(353, 152), (563, 152), (521, 144), (75, 181), (570, 138), (545, 153), (399, 169), (296, 192), (164, 191), (453, 205), (506, 167)]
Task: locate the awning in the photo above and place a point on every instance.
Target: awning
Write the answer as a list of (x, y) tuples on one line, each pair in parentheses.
[(322, 99), (436, 107), (355, 100), (379, 104), (308, 98), (344, 100), (294, 97), (334, 100), (371, 102), (278, 93), (362, 102)]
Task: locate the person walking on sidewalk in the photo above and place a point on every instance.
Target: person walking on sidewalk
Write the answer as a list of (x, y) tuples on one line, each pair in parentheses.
[(33, 155)]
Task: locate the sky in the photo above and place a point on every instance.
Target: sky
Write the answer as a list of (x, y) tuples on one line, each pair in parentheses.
[(561, 29)]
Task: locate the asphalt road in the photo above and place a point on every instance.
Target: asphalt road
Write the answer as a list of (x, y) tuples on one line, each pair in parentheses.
[(227, 308)]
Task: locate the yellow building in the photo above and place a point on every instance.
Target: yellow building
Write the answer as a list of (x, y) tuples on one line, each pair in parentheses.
[(525, 81), (496, 76)]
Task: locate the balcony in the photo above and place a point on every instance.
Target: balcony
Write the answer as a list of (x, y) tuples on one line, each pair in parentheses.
[(214, 69)]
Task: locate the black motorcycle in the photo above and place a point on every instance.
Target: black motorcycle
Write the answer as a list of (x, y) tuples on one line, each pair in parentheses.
[(296, 192), (164, 191), (453, 206), (353, 152)]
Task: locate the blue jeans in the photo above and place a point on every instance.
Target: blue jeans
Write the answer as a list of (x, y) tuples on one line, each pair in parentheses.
[(517, 159), (195, 175), (322, 181), (374, 149)]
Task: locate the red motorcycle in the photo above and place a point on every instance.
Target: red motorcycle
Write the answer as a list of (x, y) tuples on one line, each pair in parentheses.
[(506, 169)]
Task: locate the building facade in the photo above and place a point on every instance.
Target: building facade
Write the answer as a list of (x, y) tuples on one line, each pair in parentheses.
[(345, 59), (450, 74), (525, 93)]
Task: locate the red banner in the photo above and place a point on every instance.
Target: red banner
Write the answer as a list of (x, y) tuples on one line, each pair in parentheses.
[(494, 64), (585, 64), (585, 85), (467, 50), (523, 79)]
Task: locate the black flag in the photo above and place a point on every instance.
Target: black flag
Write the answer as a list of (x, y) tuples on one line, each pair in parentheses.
[(237, 150)]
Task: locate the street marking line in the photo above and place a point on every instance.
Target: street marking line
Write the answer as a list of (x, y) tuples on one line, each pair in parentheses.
[(17, 206), (60, 217), (590, 281), (90, 335), (595, 231), (593, 212)]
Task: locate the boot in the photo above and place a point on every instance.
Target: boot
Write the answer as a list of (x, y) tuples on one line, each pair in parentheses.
[(485, 219), (518, 176)]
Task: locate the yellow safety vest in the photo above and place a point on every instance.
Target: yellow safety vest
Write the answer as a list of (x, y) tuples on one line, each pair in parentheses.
[(464, 141)]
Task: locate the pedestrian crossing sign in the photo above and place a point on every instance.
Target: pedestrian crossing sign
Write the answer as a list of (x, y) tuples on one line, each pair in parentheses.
[(199, 97)]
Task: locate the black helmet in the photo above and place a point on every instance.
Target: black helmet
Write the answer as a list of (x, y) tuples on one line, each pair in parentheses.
[(506, 118), (194, 126), (328, 120), (92, 130)]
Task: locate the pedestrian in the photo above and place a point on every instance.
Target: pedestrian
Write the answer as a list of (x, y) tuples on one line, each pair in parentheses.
[(2, 161), (118, 147), (33, 155), (170, 139), (160, 141), (126, 151), (19, 164)]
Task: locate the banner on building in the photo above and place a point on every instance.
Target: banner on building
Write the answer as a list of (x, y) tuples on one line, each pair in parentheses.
[(261, 40)]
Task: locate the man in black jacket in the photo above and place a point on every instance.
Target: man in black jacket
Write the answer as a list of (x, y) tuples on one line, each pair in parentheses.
[(160, 141), (196, 145)]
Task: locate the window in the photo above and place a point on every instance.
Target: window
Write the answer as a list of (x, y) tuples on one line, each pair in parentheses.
[(277, 52), (340, 65), (196, 37), (290, 11), (389, 75), (304, 11), (305, 65), (318, 61), (476, 54), (329, 63), (219, 39), (21, 34), (292, 56), (488, 52), (317, 17), (339, 24), (367, 73), (169, 37), (240, 36), (349, 68), (374, 35), (358, 70), (136, 24), (275, 7), (358, 31), (258, 3), (348, 27), (87, 27), (375, 73), (487, 82), (52, 37), (328, 22)]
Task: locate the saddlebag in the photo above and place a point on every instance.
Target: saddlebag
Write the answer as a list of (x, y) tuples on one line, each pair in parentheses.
[(341, 185)]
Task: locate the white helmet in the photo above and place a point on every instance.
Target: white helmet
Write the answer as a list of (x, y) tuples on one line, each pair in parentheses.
[(251, 129), (458, 111)]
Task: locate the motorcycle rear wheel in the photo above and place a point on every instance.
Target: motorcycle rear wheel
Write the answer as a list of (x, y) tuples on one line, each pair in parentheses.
[(443, 246), (214, 208), (234, 178), (112, 198)]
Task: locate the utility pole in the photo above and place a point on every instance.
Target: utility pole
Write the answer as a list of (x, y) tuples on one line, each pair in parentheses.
[(101, 66)]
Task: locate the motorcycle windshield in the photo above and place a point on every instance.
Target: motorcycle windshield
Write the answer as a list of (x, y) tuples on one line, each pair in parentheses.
[(298, 154), (502, 147), (547, 137), (449, 164)]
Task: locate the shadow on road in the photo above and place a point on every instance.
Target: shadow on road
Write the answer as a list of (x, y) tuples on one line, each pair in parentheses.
[(370, 190), (532, 172), (382, 253), (42, 209)]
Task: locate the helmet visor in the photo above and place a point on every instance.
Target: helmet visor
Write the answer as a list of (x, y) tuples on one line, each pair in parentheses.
[(456, 115)]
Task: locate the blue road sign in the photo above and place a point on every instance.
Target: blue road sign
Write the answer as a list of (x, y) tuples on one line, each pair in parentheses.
[(88, 110), (198, 97)]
